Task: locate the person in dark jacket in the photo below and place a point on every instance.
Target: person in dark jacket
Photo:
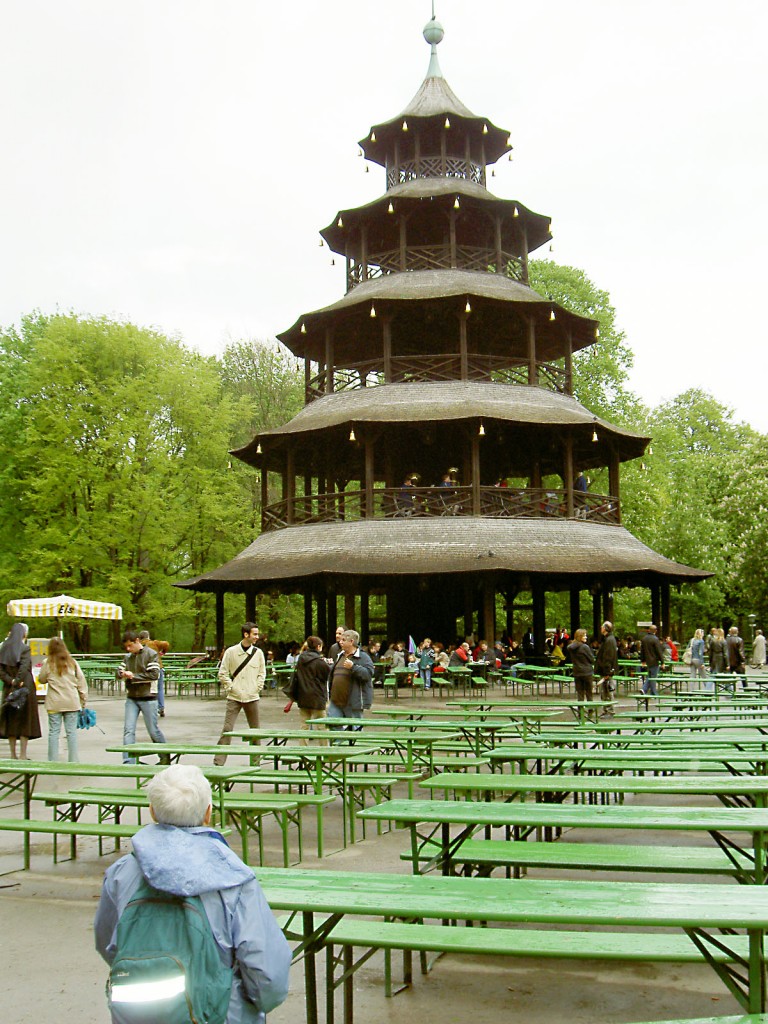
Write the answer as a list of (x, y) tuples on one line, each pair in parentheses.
[(652, 656), (735, 650), (23, 723), (351, 680), (310, 682), (607, 662), (582, 660)]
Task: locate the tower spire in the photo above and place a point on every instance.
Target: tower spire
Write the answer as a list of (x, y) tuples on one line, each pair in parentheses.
[(433, 33)]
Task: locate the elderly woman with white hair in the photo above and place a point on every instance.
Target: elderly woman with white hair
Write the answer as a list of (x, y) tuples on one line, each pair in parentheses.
[(181, 854)]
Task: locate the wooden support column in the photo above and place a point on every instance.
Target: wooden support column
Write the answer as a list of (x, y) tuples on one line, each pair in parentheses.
[(250, 606), (500, 268), (475, 454), (452, 237), (322, 614), (607, 603), (575, 608), (568, 361), (332, 616), (597, 620), (364, 251), (386, 330), (369, 508), (536, 471), (290, 489), (533, 376), (329, 361), (524, 252), (219, 622), (308, 630), (469, 608), (403, 242), (416, 160), (365, 615), (264, 495), (488, 627), (614, 481), (350, 616), (665, 625), (568, 476), (463, 355), (539, 597), (656, 605), (307, 377)]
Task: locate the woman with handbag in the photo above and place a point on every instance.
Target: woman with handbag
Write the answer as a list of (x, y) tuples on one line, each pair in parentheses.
[(19, 719), (66, 695)]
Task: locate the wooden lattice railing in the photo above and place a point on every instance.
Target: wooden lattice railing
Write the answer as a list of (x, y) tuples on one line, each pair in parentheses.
[(433, 502), (439, 367), (435, 167), (434, 257)]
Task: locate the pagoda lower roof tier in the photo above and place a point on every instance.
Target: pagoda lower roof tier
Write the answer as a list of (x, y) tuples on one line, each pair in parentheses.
[(451, 402), (352, 317), (565, 551)]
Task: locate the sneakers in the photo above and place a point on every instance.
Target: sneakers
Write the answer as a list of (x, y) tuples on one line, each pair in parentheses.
[(161, 712)]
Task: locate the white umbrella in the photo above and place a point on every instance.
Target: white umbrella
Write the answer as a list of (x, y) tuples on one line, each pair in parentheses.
[(63, 607)]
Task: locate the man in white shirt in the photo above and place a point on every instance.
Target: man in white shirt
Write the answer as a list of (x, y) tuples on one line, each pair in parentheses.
[(242, 672)]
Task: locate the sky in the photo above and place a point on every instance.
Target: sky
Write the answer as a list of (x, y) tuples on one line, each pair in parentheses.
[(170, 162)]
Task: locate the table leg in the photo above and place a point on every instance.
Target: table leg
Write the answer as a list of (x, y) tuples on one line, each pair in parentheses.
[(310, 971)]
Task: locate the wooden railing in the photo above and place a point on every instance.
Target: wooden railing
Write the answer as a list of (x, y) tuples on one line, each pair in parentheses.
[(433, 502), (435, 257), (435, 167), (445, 366)]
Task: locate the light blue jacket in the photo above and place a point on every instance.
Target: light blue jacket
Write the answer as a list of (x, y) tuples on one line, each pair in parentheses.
[(198, 862)]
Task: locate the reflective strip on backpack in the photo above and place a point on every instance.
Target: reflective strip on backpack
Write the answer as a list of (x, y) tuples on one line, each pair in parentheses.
[(148, 991)]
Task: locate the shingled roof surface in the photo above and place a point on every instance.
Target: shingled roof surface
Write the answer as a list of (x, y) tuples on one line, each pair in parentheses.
[(429, 546), (446, 400)]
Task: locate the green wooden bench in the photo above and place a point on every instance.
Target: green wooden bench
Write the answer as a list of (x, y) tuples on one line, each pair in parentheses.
[(482, 856), (518, 942), (73, 829)]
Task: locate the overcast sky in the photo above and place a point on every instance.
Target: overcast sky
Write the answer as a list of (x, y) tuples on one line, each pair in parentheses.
[(171, 161)]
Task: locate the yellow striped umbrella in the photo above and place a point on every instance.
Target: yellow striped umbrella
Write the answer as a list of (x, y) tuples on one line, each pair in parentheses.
[(63, 607)]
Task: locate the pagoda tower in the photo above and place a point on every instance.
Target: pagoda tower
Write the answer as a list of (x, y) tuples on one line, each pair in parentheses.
[(433, 466)]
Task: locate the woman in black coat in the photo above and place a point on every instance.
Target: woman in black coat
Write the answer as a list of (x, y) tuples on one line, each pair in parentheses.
[(310, 682), (18, 722)]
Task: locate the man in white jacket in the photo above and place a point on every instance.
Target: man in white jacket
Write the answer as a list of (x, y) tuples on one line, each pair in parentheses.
[(242, 672)]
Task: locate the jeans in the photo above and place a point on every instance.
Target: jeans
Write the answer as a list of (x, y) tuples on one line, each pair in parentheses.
[(346, 712), (148, 711), (426, 675), (161, 690), (54, 730), (649, 686)]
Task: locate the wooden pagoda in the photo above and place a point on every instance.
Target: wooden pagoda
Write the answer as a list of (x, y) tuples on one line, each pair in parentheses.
[(434, 462)]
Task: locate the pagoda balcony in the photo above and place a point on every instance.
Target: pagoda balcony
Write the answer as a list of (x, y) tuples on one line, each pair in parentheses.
[(432, 502), (438, 367), (436, 257), (435, 167)]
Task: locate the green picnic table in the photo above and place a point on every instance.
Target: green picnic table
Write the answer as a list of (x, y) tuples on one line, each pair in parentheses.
[(691, 758), (21, 777), (708, 914), (518, 819)]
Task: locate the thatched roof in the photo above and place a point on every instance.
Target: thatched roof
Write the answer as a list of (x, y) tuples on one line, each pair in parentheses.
[(450, 402), (536, 224), (435, 100), (504, 295), (377, 549)]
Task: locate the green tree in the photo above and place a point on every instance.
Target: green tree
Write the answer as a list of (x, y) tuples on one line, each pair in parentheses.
[(600, 372), (117, 440)]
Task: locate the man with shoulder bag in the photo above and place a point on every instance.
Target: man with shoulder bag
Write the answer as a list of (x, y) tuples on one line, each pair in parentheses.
[(242, 673)]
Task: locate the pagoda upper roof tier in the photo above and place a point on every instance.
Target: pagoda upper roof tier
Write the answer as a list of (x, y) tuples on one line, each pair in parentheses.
[(421, 190), (435, 110), (452, 402), (561, 550), (354, 317)]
